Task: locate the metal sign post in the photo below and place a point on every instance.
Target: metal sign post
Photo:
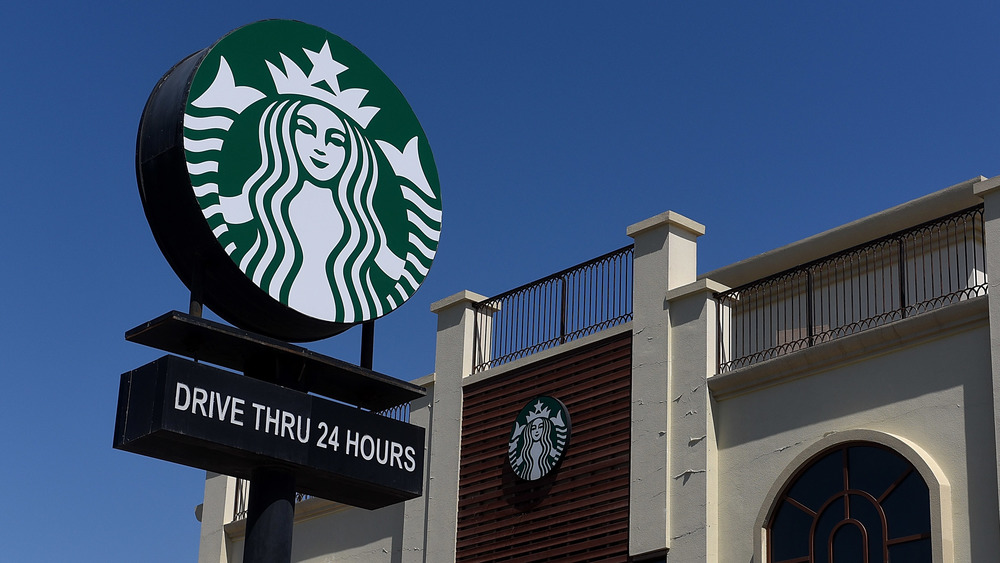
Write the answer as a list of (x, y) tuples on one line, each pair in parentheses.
[(270, 516)]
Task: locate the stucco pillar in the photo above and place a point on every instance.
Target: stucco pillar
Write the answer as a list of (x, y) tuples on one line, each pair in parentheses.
[(989, 190), (453, 362), (216, 512), (665, 257), (415, 510), (692, 451)]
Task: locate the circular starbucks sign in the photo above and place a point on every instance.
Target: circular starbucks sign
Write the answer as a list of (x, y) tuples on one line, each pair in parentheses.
[(538, 438), (288, 183)]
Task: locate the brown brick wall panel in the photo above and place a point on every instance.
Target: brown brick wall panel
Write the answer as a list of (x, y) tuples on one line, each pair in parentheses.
[(577, 513)]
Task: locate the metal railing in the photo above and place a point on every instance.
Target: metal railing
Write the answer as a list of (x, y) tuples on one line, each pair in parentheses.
[(906, 273), (562, 307), (242, 503), (242, 499)]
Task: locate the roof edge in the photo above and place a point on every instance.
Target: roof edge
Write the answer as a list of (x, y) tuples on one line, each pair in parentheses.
[(909, 214)]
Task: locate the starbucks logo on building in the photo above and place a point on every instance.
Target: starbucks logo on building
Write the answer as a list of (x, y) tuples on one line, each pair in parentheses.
[(310, 172), (538, 438)]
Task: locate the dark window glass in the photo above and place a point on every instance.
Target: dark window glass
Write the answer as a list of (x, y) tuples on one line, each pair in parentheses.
[(903, 508), (819, 482), (852, 502), (848, 545), (874, 469), (826, 523), (790, 532), (865, 510), (918, 551)]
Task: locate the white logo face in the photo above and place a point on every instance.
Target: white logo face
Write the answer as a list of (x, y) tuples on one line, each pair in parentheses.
[(320, 137), (327, 203), (538, 438)]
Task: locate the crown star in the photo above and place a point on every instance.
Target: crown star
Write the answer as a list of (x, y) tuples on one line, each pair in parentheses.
[(541, 411), (325, 69)]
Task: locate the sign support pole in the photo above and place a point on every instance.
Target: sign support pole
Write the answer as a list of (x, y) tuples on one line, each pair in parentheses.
[(367, 343), (271, 510), (270, 516)]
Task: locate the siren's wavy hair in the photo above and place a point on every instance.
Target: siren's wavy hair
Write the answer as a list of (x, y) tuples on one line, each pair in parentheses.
[(276, 256)]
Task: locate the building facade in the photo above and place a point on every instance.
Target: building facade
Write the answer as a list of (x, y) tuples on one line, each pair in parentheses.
[(837, 399)]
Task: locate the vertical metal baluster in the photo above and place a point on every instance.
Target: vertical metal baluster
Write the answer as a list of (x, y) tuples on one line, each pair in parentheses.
[(809, 306), (902, 277)]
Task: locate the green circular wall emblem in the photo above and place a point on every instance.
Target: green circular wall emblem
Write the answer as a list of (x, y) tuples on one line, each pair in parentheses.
[(538, 438), (308, 168)]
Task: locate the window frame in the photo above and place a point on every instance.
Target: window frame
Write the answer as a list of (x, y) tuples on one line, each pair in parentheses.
[(939, 489)]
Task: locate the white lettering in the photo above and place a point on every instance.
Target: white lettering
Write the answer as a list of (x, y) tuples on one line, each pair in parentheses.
[(287, 423), (411, 463), (382, 453), (223, 405), (370, 453), (334, 440), (397, 454), (350, 442), (236, 410), (177, 397), (259, 408), (200, 398), (298, 432), (322, 438), (268, 420)]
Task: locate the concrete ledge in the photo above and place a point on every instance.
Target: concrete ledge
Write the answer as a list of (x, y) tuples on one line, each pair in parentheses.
[(885, 339), (702, 285), (666, 218), (986, 186), (464, 296), (425, 380)]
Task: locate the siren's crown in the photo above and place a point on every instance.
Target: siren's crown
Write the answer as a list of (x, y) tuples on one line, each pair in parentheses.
[(325, 69), (224, 93), (541, 411)]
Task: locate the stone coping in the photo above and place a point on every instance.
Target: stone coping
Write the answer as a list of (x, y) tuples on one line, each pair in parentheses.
[(949, 200)]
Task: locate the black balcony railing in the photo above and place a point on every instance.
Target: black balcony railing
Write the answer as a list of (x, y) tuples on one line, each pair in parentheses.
[(562, 307), (906, 273)]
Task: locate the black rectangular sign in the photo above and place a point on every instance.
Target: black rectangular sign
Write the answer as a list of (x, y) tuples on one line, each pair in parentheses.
[(201, 416)]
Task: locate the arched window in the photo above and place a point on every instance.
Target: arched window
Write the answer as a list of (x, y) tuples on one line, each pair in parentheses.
[(854, 502)]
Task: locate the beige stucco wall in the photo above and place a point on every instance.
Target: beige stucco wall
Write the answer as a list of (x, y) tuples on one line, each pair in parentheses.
[(931, 387)]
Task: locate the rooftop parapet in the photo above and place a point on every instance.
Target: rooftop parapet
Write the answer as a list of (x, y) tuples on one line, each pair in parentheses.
[(898, 218)]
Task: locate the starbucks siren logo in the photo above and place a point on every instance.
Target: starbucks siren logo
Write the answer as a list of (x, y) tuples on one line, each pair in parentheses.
[(312, 171), (538, 438)]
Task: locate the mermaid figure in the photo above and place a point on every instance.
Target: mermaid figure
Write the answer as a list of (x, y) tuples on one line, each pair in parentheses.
[(312, 196), (531, 457)]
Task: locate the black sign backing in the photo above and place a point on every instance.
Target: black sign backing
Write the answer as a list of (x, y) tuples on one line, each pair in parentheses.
[(201, 416)]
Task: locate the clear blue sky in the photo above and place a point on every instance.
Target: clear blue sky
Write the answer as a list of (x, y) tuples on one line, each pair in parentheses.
[(554, 126)]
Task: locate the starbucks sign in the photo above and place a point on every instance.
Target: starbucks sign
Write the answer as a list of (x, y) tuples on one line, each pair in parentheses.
[(538, 438), (288, 182)]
